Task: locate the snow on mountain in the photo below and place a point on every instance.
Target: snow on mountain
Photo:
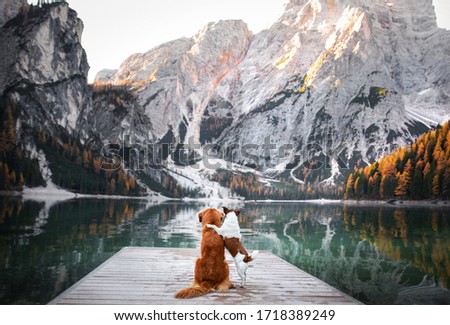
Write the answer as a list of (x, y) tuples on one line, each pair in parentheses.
[(337, 81), (343, 77), (174, 81), (332, 84)]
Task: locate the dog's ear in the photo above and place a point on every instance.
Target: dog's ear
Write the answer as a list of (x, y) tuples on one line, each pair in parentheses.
[(200, 216), (237, 212), (226, 210)]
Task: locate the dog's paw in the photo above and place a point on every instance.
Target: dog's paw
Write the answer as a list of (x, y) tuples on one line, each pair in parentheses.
[(254, 254)]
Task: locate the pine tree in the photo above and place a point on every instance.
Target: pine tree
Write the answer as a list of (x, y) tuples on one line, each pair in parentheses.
[(3, 142), (436, 185), (404, 180), (85, 159), (349, 188), (12, 178), (374, 191), (388, 180), (427, 180), (387, 188), (446, 183), (4, 177), (361, 186), (9, 122), (21, 180), (112, 186)]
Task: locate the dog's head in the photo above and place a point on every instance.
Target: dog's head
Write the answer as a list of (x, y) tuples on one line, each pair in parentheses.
[(211, 216), (226, 211)]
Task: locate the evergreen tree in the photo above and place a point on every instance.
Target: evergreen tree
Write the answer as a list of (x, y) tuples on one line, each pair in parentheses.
[(350, 187), (427, 180), (417, 185), (436, 185), (446, 183), (405, 179), (420, 171), (388, 180), (361, 186)]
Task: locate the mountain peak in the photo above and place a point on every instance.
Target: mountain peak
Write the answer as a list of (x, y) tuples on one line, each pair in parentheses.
[(43, 49), (295, 3), (221, 34), (418, 6), (353, 78)]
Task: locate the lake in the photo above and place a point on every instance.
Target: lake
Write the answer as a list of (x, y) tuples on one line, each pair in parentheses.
[(378, 255)]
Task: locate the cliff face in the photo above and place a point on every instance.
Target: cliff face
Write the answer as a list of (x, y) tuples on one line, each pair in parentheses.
[(45, 68), (175, 81), (332, 84), (352, 79)]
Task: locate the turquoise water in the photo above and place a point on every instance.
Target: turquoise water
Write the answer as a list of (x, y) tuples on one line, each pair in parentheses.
[(377, 255)]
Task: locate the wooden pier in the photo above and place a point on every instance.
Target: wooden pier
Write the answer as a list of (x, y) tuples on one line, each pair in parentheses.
[(151, 276)]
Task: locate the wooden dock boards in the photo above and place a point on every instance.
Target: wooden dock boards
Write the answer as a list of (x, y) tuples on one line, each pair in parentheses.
[(152, 276)]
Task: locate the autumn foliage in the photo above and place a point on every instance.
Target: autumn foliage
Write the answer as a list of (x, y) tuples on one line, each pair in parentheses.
[(420, 171), (81, 170), (254, 187), (16, 169)]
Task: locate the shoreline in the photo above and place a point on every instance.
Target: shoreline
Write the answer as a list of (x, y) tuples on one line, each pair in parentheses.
[(399, 203), (44, 194), (365, 203)]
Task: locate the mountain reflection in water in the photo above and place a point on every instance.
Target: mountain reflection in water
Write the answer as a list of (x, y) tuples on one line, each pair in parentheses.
[(378, 255)]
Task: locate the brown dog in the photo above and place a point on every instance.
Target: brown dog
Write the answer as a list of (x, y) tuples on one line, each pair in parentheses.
[(211, 269)]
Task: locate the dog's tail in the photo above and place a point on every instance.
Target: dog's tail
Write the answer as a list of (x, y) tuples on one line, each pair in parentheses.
[(250, 258), (189, 293)]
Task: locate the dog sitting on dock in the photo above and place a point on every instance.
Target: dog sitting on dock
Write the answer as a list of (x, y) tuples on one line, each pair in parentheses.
[(211, 271), (231, 233)]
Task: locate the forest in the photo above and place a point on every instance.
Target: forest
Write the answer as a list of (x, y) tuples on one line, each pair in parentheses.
[(253, 187), (416, 172), (419, 171), (73, 166), (16, 168)]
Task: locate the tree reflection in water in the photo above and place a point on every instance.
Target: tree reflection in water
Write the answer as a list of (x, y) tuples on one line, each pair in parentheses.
[(377, 255)]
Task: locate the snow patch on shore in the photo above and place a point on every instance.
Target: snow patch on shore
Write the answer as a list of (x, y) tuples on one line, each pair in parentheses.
[(50, 192)]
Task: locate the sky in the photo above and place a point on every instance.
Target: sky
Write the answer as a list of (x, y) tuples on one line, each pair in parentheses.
[(116, 29)]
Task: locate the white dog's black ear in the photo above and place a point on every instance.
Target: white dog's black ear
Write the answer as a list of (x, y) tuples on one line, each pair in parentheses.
[(237, 212), (226, 210), (200, 216)]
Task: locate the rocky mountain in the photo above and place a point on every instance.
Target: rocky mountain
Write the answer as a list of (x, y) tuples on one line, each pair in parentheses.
[(45, 101), (44, 68), (343, 77), (176, 80), (331, 85)]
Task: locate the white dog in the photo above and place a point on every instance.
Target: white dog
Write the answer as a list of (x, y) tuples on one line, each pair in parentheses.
[(231, 233)]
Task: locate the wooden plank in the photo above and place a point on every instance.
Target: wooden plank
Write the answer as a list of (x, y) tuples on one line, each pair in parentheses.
[(153, 275)]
